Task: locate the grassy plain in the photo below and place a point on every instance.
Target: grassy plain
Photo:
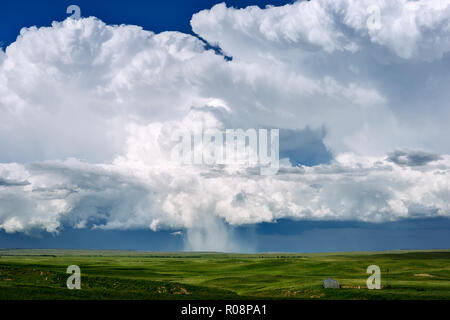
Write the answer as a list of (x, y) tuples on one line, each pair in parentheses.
[(41, 274)]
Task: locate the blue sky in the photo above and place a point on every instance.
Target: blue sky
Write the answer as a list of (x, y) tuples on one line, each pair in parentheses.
[(156, 16), (362, 111)]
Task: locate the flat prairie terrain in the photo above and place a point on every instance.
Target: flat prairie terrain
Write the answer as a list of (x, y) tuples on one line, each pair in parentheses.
[(41, 274)]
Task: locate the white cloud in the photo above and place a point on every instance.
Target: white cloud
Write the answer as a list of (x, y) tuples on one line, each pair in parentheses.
[(133, 193), (324, 66), (408, 29), (72, 88), (112, 96)]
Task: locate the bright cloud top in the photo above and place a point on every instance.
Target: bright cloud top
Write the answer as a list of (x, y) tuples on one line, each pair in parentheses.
[(87, 111)]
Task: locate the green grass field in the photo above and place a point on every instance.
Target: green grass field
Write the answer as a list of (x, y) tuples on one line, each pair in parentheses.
[(41, 274)]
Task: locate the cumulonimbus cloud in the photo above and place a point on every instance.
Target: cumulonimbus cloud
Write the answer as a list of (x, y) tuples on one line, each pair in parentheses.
[(144, 189), (87, 111)]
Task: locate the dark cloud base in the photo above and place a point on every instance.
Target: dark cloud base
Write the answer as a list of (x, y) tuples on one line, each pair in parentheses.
[(283, 236)]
